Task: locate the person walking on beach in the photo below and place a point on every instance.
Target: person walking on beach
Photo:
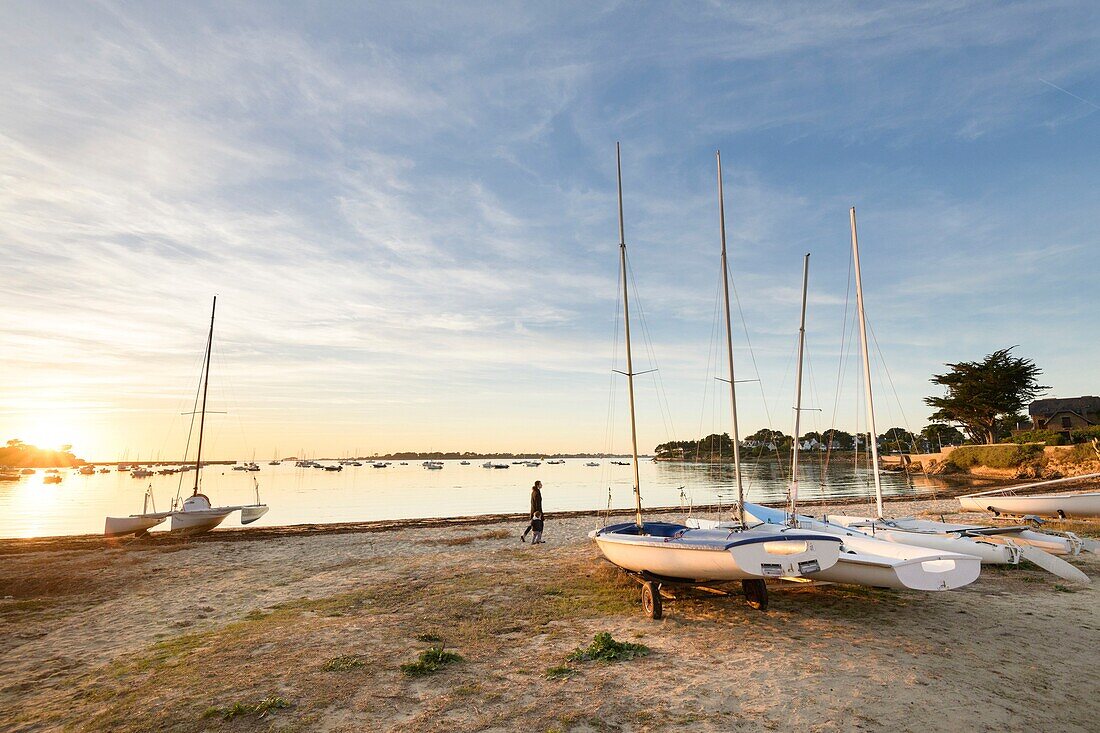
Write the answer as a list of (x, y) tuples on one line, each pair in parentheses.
[(536, 510)]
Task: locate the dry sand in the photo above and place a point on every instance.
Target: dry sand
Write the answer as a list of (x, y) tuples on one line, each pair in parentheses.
[(151, 634)]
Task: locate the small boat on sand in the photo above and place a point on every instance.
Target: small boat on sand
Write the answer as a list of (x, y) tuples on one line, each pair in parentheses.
[(195, 514), (1063, 506)]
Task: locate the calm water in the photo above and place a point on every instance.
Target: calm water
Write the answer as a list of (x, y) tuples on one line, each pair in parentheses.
[(78, 505)]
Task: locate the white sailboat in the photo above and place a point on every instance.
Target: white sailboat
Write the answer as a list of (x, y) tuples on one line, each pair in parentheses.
[(664, 552), (1063, 506), (929, 534), (196, 514), (864, 560)]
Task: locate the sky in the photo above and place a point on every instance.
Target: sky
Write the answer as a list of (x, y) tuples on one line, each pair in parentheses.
[(408, 214)]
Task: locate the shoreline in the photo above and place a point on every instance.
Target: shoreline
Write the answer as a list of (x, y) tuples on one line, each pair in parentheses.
[(18, 545)]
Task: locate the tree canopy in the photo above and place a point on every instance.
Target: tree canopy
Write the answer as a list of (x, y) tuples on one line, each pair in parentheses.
[(898, 439), (981, 394), (939, 434)]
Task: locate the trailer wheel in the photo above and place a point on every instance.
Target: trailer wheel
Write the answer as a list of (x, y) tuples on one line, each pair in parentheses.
[(756, 593), (651, 600)]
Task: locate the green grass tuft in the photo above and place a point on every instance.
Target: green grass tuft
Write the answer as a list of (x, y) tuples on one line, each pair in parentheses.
[(344, 663), (237, 709), (560, 672), (429, 662), (605, 649)]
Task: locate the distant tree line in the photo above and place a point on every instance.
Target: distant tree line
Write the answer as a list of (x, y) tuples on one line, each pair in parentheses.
[(984, 402), (719, 447), (18, 454)]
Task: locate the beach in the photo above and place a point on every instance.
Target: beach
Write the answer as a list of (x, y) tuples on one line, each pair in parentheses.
[(171, 634)]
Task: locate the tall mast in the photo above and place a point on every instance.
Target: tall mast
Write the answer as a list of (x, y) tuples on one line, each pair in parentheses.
[(798, 387), (866, 366), (735, 436), (205, 385), (629, 361)]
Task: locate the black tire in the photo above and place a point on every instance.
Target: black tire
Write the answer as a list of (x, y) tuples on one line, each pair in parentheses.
[(756, 593), (651, 600)]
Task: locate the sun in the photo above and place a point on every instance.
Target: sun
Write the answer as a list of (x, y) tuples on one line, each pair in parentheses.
[(52, 431)]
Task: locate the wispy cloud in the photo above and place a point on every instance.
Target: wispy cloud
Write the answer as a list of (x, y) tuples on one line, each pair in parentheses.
[(408, 212)]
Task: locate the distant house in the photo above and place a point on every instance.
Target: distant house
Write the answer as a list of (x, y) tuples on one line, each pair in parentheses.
[(1064, 415)]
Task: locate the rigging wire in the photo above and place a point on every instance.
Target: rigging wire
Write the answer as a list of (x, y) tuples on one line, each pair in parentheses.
[(663, 405), (609, 430)]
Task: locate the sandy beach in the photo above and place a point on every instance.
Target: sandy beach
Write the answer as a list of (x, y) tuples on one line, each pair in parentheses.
[(166, 634)]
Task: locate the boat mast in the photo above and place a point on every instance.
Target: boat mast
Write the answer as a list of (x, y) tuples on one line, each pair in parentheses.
[(629, 361), (798, 388), (735, 436), (866, 366), (205, 385)]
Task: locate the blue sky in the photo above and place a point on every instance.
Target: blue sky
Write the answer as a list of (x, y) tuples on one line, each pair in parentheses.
[(408, 212)]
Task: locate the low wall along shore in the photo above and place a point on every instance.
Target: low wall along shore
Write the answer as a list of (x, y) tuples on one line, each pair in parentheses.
[(1003, 460)]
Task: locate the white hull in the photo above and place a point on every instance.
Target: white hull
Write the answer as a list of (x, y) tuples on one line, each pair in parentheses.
[(1042, 505), (136, 524), (900, 532), (712, 555), (250, 514), (197, 522), (1056, 544), (877, 563)]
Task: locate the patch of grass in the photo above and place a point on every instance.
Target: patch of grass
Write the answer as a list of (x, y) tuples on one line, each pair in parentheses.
[(466, 539), (344, 663), (260, 709), (429, 662), (996, 456), (161, 652), (452, 541), (428, 638), (1064, 588), (559, 672), (605, 649)]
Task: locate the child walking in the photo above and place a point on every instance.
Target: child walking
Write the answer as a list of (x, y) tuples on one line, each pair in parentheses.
[(536, 527)]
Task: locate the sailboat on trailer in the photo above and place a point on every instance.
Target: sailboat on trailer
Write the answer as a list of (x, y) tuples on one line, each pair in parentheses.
[(665, 552), (937, 536), (196, 514), (863, 560)]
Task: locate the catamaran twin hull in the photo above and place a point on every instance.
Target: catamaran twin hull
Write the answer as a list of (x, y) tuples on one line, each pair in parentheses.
[(677, 552), (196, 517), (867, 561)]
